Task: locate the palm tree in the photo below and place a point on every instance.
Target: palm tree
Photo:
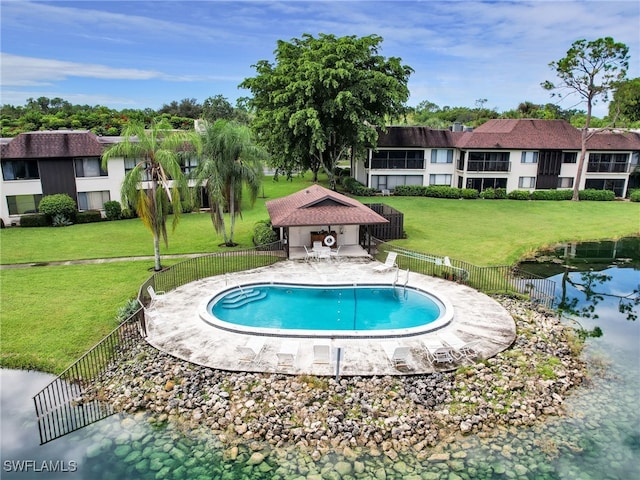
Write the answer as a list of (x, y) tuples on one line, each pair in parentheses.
[(230, 160), (156, 152)]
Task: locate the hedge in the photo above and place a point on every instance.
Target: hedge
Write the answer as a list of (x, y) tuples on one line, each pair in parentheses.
[(551, 195), (597, 195), (634, 196), (34, 220), (89, 216)]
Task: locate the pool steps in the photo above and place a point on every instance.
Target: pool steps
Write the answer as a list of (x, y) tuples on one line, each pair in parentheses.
[(240, 298)]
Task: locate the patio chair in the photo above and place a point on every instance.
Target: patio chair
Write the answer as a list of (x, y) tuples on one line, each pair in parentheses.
[(156, 297), (321, 353), (287, 354), (335, 253), (251, 351), (462, 349), (388, 264), (437, 352), (398, 354), (311, 255)]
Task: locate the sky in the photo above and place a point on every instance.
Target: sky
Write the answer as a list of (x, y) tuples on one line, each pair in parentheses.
[(145, 54)]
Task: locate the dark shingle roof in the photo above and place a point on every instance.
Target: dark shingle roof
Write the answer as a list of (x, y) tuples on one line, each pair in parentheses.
[(316, 205), (415, 137), (53, 144)]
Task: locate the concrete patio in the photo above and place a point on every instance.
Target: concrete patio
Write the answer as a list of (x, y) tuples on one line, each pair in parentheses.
[(174, 324)]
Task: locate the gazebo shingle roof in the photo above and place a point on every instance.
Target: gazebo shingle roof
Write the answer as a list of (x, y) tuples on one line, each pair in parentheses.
[(316, 205)]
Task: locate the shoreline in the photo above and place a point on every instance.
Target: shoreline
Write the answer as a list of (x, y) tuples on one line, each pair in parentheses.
[(384, 415)]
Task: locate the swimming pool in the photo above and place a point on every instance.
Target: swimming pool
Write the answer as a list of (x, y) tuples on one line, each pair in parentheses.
[(337, 311)]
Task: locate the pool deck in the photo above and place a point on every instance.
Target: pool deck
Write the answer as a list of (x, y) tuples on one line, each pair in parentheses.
[(174, 325)]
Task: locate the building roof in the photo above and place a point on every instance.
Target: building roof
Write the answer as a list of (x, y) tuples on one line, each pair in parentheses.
[(316, 205), (53, 144), (517, 134), (415, 137), (522, 134)]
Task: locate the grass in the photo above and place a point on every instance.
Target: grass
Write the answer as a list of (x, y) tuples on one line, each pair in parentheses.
[(50, 316)]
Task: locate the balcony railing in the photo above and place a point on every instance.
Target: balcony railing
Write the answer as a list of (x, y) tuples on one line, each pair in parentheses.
[(489, 166)]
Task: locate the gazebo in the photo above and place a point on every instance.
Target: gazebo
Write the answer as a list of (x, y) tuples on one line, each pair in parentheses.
[(319, 214)]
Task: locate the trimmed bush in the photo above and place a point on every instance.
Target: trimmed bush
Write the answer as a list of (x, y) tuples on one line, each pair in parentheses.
[(34, 220), (634, 196), (597, 195), (442, 191), (551, 195), (494, 193), (59, 204), (354, 187), (469, 193), (519, 195), (410, 191), (263, 233), (112, 210), (89, 216)]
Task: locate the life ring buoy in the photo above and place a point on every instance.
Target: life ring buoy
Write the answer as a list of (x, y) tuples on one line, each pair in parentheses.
[(329, 240)]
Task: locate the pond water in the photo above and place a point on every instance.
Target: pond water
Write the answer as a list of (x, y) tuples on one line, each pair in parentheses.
[(599, 439)]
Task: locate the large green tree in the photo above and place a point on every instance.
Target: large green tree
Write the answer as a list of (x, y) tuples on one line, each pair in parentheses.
[(231, 160), (156, 181), (590, 70), (323, 98), (626, 101)]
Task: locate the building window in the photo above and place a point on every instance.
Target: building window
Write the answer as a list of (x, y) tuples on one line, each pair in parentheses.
[(440, 179), (565, 182), (481, 184), (441, 156), (569, 157), (22, 204), (398, 159), (89, 167), (130, 163), (20, 169), (188, 165), (617, 185), (92, 200), (527, 182), (529, 157), (389, 182), (608, 162), (488, 162)]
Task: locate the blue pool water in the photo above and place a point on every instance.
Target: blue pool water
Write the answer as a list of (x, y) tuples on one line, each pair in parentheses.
[(326, 308)]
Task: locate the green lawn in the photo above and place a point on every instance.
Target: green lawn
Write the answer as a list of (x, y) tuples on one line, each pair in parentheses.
[(52, 315)]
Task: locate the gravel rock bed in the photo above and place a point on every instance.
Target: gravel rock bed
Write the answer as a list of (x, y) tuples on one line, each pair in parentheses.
[(383, 415)]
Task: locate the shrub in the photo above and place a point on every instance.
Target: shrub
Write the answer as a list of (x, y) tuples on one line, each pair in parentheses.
[(89, 216), (354, 187), (34, 220), (410, 191), (551, 195), (443, 191), (263, 233), (597, 195), (59, 204), (469, 193), (634, 196), (494, 193), (519, 195), (112, 210)]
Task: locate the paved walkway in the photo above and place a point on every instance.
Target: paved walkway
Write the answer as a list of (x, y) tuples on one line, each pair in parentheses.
[(95, 260), (175, 325)]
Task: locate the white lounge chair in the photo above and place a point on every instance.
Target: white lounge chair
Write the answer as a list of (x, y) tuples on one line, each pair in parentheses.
[(287, 354), (388, 264), (462, 349), (156, 297), (437, 352), (398, 354), (335, 253), (321, 354), (251, 351)]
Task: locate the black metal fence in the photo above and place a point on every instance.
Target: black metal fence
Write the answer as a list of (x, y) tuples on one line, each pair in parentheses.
[(494, 279), (68, 403), (71, 402)]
